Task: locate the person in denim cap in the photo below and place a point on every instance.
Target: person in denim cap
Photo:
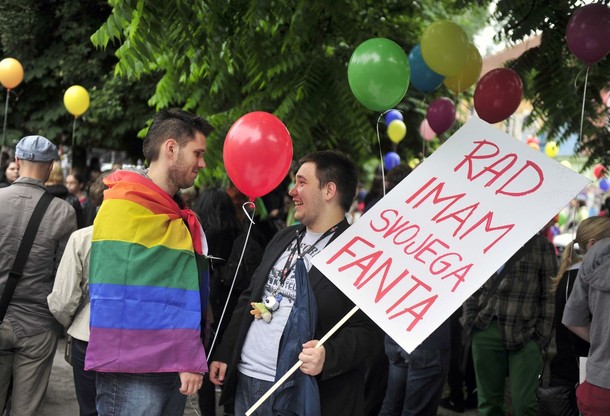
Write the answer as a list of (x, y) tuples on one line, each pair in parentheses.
[(29, 332)]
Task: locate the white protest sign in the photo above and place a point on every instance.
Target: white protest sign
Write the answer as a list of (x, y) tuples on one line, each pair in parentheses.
[(432, 241)]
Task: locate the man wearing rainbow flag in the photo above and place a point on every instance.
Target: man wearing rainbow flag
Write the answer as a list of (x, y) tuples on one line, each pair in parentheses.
[(145, 277)]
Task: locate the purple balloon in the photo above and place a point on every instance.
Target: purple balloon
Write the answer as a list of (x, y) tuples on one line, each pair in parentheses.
[(441, 115), (588, 33), (392, 115), (391, 160)]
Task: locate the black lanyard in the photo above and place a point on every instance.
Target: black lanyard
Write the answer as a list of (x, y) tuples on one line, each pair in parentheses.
[(297, 248)]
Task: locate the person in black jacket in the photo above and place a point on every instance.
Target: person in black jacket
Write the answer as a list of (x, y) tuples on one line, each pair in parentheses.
[(245, 361), (55, 185), (226, 237)]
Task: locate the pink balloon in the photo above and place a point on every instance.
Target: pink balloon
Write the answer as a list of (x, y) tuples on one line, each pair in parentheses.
[(257, 153), (498, 95), (588, 33), (425, 131), (441, 115)]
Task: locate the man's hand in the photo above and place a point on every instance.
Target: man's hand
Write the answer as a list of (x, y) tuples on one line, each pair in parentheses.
[(190, 382), (218, 371), (313, 358)]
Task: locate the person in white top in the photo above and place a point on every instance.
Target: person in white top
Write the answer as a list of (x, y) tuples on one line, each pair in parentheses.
[(69, 304)]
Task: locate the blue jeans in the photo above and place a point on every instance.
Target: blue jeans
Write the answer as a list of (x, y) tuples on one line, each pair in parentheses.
[(147, 394), (248, 391), (84, 381), (415, 381)]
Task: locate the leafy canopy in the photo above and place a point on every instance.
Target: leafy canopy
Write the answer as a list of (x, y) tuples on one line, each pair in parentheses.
[(223, 59)]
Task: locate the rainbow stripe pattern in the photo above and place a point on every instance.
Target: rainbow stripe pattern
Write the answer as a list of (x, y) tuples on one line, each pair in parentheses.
[(144, 282)]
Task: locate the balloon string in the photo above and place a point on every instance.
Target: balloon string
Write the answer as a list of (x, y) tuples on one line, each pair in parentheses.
[(380, 153), (423, 148), (582, 111), (8, 92), (243, 251), (578, 76), (459, 100)]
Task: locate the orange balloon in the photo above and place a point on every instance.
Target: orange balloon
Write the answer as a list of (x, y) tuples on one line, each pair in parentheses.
[(11, 73)]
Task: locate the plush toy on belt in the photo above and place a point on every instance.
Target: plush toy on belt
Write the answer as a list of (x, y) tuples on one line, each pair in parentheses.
[(260, 311)]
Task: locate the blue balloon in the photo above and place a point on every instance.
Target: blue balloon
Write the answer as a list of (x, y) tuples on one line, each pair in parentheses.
[(390, 160), (603, 184), (392, 115), (422, 77)]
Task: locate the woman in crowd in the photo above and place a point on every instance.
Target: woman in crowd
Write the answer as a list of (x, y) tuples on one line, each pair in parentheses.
[(564, 365), (11, 174), (586, 314), (76, 185), (55, 185)]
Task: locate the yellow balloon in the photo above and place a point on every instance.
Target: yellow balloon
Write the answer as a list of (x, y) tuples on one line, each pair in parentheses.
[(551, 149), (397, 130), (444, 47), (469, 75), (11, 73), (76, 100)]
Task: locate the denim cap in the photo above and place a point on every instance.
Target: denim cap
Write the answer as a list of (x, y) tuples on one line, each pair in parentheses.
[(36, 149)]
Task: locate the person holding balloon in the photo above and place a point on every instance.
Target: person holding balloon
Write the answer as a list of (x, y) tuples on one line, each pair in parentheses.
[(148, 277), (248, 360)]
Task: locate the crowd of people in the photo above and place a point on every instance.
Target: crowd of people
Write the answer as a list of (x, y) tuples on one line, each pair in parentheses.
[(163, 298)]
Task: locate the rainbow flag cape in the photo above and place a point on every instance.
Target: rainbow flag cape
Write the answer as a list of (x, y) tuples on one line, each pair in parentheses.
[(144, 282)]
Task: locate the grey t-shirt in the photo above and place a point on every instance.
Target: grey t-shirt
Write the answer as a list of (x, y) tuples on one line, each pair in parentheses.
[(260, 350)]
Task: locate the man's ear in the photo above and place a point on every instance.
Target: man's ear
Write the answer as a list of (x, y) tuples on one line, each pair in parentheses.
[(330, 190), (170, 146)]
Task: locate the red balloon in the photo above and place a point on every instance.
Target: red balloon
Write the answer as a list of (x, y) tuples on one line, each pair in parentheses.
[(257, 153), (588, 33), (599, 170), (498, 95), (441, 115)]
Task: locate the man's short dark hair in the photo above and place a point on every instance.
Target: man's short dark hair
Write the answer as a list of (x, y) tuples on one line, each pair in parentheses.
[(175, 123), (336, 167)]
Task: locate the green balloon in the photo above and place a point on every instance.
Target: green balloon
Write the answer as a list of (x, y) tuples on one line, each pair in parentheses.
[(378, 74)]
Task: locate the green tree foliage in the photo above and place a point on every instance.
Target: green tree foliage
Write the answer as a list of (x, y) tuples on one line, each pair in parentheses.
[(51, 40), (554, 79), (223, 59)]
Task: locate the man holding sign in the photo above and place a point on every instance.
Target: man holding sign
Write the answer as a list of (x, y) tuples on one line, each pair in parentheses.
[(247, 358)]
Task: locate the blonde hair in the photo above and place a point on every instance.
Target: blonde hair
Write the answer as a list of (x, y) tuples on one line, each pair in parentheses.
[(590, 228), (57, 175)]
